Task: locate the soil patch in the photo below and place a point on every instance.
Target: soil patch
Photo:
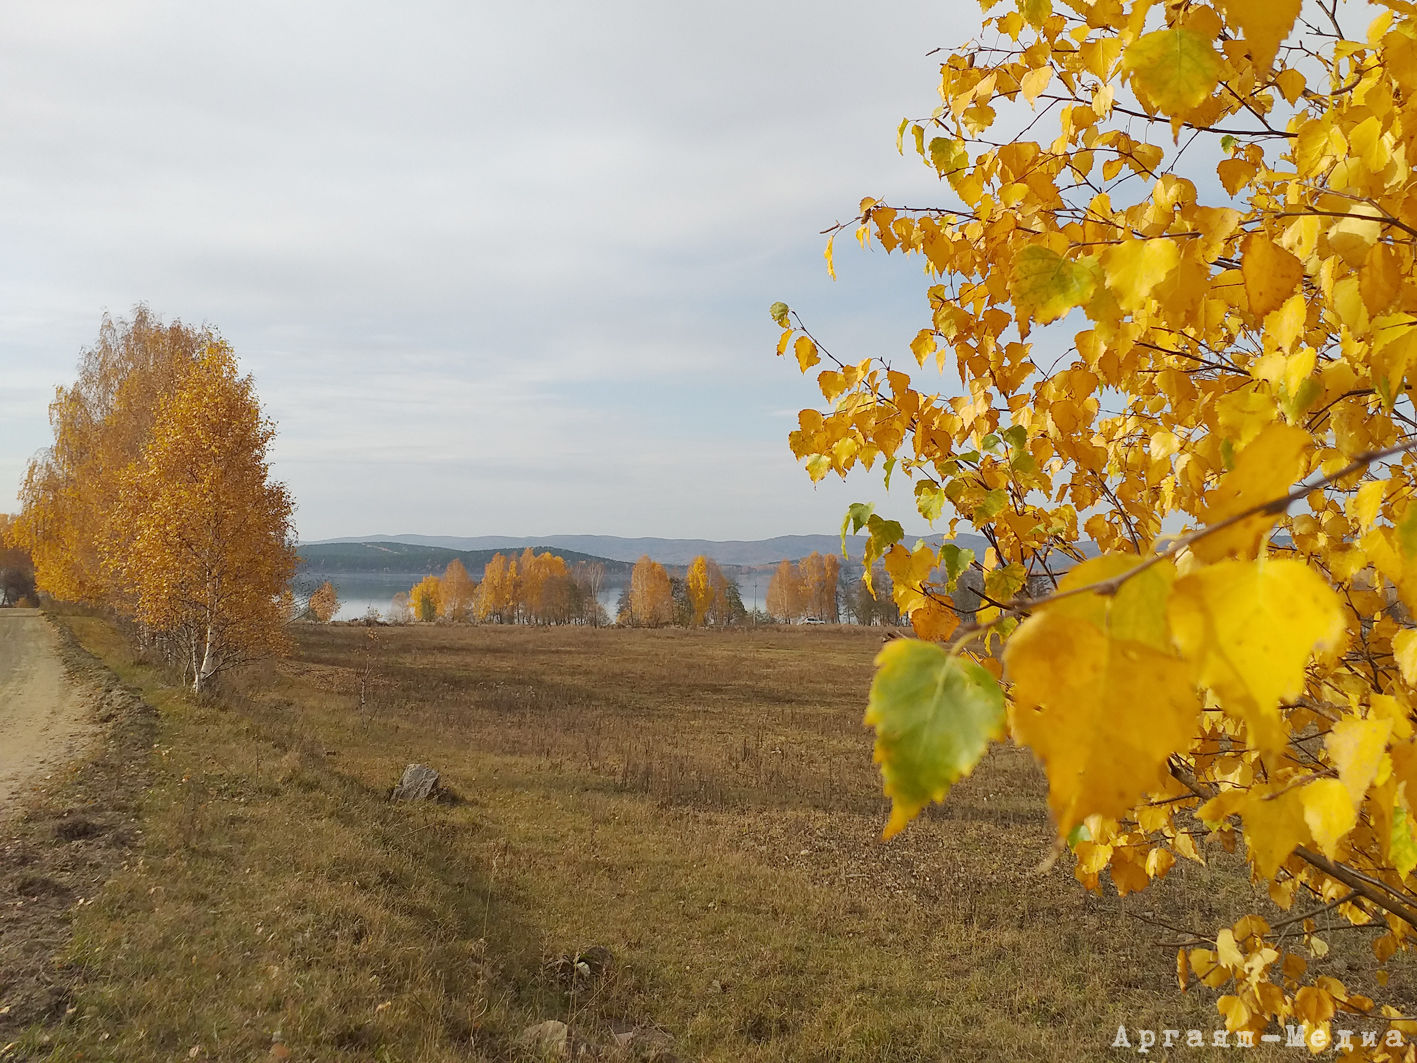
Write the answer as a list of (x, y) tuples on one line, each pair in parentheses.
[(75, 826)]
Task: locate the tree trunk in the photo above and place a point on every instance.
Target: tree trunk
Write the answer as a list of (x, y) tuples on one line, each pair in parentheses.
[(208, 662)]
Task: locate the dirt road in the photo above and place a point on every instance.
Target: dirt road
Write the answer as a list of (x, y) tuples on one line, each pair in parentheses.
[(44, 718)]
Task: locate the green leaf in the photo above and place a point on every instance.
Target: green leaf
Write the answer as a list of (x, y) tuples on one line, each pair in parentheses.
[(1402, 847), (929, 500), (1407, 533), (1049, 285), (1016, 437), (934, 716), (857, 514), (1172, 71), (779, 313), (881, 534), (993, 504), (948, 156), (1308, 391), (1079, 833), (818, 465), (1004, 583), (956, 559), (990, 443)]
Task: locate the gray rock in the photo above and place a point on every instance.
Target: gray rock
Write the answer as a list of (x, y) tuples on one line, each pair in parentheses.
[(597, 960), (419, 783)]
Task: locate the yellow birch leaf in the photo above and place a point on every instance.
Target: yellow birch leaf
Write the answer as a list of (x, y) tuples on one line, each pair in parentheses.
[(1128, 874), (1036, 12), (1271, 273), (1314, 1005), (1354, 236), (923, 345), (1250, 627), (806, 352), (1394, 712), (1050, 285), (934, 621), (1291, 83), (1380, 280), (934, 716), (1264, 470), (1237, 1013), (1404, 648), (1329, 812), (1264, 25), (1356, 748), (1136, 610), (1134, 267), (1235, 174), (1164, 444), (1219, 808), (1034, 82), (1172, 71), (1284, 326), (1365, 505), (1101, 709), (1384, 549), (1274, 825), (1226, 951), (1159, 862)]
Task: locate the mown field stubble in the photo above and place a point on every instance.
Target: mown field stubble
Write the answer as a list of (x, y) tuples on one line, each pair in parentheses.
[(701, 804)]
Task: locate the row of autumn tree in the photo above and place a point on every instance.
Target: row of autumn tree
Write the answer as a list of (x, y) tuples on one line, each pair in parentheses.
[(530, 589), (542, 589), (704, 597), (806, 590), (155, 499)]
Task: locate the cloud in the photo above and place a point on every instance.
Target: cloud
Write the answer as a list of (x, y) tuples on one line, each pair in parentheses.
[(455, 241)]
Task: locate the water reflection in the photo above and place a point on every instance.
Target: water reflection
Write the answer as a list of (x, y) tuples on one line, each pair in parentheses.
[(360, 592)]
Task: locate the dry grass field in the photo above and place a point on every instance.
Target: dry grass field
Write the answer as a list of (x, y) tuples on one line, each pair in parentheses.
[(702, 805)]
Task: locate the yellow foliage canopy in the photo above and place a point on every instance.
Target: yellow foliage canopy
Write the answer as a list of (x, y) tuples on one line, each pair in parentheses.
[(155, 498), (1211, 389), (200, 537), (651, 598)]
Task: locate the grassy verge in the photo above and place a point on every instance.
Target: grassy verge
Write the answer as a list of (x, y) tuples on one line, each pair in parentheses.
[(700, 805)]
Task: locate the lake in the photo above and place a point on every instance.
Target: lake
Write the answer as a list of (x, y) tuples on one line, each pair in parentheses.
[(358, 592)]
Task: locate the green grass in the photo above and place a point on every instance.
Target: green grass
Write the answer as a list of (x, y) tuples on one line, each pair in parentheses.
[(701, 804)]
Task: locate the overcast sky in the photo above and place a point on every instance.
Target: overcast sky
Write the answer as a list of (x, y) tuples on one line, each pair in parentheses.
[(496, 268)]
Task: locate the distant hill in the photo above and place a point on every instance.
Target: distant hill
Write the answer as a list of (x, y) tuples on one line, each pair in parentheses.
[(745, 553), (416, 559)]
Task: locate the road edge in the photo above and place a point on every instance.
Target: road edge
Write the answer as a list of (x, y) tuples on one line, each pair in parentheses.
[(64, 842)]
